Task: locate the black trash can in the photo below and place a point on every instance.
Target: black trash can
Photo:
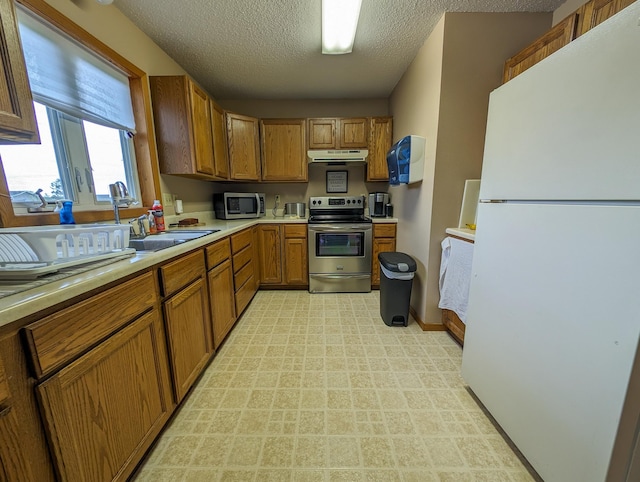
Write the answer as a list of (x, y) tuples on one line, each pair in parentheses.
[(396, 277)]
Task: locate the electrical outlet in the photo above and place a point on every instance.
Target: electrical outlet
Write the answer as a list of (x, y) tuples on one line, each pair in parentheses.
[(167, 199), (277, 199)]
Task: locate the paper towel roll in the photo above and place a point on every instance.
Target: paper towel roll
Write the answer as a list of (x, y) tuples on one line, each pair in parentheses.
[(178, 206)]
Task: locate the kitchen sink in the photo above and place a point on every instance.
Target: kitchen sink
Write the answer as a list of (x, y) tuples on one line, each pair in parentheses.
[(156, 242)]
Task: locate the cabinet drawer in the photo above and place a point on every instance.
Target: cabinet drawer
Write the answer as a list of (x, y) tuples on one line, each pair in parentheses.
[(58, 338), (242, 258), (218, 252), (384, 230), (244, 295), (240, 240), (179, 273), (295, 230), (241, 277)]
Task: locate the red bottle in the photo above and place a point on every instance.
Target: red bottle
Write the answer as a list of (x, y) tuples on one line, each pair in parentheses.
[(158, 212)]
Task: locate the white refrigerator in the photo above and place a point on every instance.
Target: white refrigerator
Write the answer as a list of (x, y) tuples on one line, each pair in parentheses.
[(554, 307)]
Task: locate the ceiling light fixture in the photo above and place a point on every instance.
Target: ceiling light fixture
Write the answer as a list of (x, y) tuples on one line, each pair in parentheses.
[(105, 2), (339, 24)]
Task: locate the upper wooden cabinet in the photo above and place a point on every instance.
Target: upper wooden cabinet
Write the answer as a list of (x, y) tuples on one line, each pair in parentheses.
[(182, 115), (353, 133), (380, 137), (556, 38), (17, 118), (322, 133), (284, 149), (244, 148), (597, 11), (338, 133), (582, 20), (219, 137)]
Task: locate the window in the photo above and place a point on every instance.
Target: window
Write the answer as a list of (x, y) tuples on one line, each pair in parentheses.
[(85, 119), (77, 159)]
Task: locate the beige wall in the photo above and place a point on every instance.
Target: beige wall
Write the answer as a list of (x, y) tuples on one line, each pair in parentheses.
[(443, 96), (415, 105)]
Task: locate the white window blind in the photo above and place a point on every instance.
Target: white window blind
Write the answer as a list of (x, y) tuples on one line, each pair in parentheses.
[(66, 76)]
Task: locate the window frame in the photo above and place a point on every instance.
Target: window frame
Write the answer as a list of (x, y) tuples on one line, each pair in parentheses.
[(144, 140)]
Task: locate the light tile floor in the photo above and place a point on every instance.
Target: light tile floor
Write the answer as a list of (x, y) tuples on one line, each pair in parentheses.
[(318, 388)]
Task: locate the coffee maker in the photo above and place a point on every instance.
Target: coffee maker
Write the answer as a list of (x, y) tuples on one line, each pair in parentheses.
[(378, 204)]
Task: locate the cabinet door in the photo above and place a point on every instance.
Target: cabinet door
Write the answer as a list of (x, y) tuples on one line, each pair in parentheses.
[(201, 124), (189, 334), (380, 245), (103, 410), (380, 137), (17, 118), (284, 151), (556, 38), (354, 133), (322, 134), (222, 300), (244, 150), (295, 261), (597, 11), (270, 256), (219, 137)]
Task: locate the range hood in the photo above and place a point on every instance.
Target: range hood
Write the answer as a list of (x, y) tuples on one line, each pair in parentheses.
[(350, 156)]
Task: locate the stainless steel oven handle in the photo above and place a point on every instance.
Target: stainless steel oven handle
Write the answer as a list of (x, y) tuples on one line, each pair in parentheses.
[(343, 276), (364, 227)]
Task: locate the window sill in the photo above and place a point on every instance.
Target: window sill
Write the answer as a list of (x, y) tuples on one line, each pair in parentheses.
[(81, 217)]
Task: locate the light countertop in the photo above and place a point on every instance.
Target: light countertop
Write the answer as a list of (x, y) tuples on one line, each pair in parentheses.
[(25, 303), (463, 233)]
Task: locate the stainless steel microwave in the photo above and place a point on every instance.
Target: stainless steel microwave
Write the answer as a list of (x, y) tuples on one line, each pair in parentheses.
[(238, 205)]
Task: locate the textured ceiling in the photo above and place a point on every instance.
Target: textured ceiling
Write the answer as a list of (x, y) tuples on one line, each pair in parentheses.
[(270, 49)]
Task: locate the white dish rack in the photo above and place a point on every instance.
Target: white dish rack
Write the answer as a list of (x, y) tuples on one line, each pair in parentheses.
[(36, 250)]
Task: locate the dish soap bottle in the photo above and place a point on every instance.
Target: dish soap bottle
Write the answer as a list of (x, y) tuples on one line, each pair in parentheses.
[(158, 213), (66, 214)]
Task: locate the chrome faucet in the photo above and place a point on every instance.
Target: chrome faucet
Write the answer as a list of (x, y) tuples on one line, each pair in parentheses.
[(119, 197), (141, 231)]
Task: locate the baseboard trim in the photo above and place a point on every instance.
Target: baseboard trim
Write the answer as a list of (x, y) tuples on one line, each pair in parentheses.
[(426, 326)]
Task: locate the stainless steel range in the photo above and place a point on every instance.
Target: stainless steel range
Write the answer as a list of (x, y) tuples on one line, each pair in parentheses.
[(340, 245)]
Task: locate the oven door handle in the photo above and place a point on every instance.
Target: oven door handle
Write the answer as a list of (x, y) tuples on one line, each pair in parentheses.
[(343, 276), (364, 227)]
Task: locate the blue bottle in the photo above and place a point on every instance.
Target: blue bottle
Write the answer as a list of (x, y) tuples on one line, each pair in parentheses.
[(66, 216)]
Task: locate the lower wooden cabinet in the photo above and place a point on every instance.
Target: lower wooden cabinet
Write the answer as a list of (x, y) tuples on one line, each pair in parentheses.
[(188, 328), (222, 300), (103, 411), (244, 268), (295, 254), (283, 254), (270, 254), (384, 241)]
